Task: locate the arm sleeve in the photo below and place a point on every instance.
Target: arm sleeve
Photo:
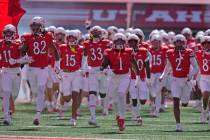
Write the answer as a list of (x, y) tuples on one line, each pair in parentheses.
[(195, 68)]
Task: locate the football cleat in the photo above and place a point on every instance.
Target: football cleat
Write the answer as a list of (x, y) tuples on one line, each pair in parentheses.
[(179, 128), (36, 121), (139, 121), (93, 123), (203, 117), (72, 122)]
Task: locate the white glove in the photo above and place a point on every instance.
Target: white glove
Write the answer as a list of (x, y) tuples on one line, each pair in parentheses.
[(27, 59), (57, 67), (137, 81), (148, 81), (12, 61)]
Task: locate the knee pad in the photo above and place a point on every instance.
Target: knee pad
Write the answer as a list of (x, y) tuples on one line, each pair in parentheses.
[(102, 95), (134, 102), (93, 92)]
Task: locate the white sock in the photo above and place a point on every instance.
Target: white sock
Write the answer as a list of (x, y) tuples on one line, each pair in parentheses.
[(121, 105), (6, 96), (135, 110), (40, 99), (92, 106), (158, 102)]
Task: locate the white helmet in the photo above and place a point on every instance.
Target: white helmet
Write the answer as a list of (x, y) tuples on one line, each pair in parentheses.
[(186, 31), (165, 36), (37, 20), (79, 33), (96, 33), (112, 29), (98, 28), (139, 33), (133, 36), (153, 33), (37, 25), (60, 30), (121, 30), (119, 41), (205, 39), (171, 36), (199, 37), (9, 32), (75, 34), (104, 33), (180, 37), (51, 29), (207, 32), (119, 36), (156, 37)]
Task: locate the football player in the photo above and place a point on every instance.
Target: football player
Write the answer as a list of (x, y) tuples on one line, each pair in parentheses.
[(97, 81), (158, 52), (180, 59), (37, 45), (141, 91), (120, 59), (11, 60), (203, 58)]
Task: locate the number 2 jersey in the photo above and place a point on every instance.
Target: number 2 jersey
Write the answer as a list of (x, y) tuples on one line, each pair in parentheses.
[(95, 52), (37, 48), (180, 61)]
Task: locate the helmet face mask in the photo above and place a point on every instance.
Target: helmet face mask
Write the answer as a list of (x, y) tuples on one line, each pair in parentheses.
[(96, 34), (72, 40), (156, 43), (133, 43), (179, 44), (60, 37), (36, 28), (119, 44), (9, 33)]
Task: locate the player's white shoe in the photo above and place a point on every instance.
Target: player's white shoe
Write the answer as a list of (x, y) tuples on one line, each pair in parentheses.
[(203, 116), (105, 112), (93, 122), (139, 121), (72, 122), (179, 127), (7, 121), (156, 114)]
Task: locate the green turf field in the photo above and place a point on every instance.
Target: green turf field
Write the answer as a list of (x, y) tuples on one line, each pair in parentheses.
[(153, 128)]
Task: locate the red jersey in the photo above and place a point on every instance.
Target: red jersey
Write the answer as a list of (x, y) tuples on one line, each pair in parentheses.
[(38, 48), (119, 60), (141, 57), (158, 59), (51, 54), (203, 59), (8, 51), (180, 62), (95, 52), (71, 59)]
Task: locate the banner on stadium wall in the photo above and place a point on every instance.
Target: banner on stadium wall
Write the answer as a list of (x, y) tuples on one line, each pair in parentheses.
[(143, 15)]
